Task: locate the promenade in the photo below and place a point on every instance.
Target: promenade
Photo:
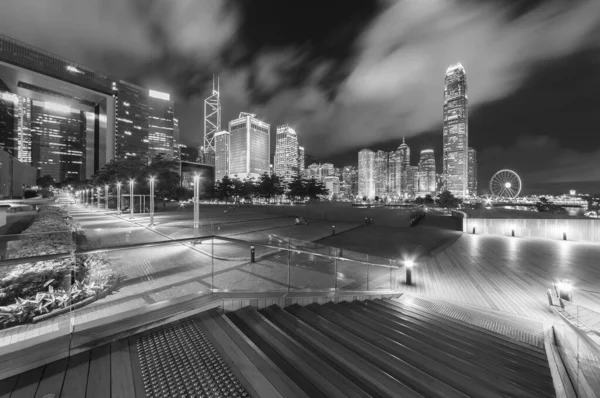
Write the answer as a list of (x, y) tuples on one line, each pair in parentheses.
[(498, 274)]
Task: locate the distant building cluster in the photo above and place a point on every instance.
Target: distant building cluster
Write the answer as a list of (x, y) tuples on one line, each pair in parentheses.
[(390, 174), (68, 121)]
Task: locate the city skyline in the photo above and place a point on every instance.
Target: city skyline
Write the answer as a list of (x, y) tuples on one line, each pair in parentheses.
[(246, 55)]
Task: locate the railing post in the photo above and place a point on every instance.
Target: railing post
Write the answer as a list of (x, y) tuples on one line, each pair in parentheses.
[(368, 268), (212, 258)]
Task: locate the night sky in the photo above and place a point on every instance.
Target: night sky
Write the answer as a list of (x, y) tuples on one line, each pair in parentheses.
[(355, 74)]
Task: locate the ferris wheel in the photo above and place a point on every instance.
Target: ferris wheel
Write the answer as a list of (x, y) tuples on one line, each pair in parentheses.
[(505, 184)]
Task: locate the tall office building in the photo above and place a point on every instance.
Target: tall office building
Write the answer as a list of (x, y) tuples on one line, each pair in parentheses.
[(113, 115), (176, 141), (301, 160), (403, 159), (412, 181), (212, 122), (249, 146), (160, 125), (366, 171), (427, 182), (455, 131), (350, 180), (221, 154), (381, 173), (286, 152), (472, 172)]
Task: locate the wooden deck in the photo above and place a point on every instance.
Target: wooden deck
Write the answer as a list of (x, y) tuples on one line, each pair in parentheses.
[(506, 274), (111, 370)]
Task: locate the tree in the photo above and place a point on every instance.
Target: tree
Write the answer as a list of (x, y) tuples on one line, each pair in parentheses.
[(428, 199), (269, 186), (45, 181), (316, 188), (297, 188), (224, 188), (447, 200)]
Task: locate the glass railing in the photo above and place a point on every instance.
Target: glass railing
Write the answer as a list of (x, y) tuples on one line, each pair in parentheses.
[(580, 354)]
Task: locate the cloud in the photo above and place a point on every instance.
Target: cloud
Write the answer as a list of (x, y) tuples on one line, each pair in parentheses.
[(396, 86), (119, 36), (541, 162)]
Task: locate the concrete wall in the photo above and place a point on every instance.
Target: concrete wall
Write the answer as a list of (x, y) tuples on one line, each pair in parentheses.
[(13, 175), (344, 212), (587, 230)]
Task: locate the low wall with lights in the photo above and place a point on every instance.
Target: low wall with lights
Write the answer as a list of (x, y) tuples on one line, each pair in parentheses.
[(575, 229)]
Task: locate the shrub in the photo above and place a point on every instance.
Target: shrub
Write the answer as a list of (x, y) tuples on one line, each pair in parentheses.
[(29, 193)]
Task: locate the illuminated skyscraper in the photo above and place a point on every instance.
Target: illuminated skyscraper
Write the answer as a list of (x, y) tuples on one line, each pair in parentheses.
[(381, 173), (350, 180), (403, 160), (286, 152), (160, 124), (427, 172), (249, 146), (176, 141), (301, 160), (221, 154), (472, 172), (455, 131), (212, 122), (366, 173), (412, 181)]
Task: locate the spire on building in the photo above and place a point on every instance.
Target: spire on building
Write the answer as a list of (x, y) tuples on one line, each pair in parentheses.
[(453, 67)]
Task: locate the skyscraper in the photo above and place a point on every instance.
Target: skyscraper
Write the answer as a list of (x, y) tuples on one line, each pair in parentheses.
[(212, 122), (160, 124), (249, 146), (472, 172), (366, 171), (427, 181), (381, 173), (286, 152), (403, 159), (301, 160), (176, 141), (350, 180), (455, 131), (412, 181), (221, 154)]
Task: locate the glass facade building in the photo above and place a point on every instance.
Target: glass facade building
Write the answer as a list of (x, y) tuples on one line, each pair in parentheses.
[(301, 160), (455, 131), (412, 181), (160, 125), (221, 154), (472, 172), (366, 173), (249, 146), (427, 179), (118, 119), (286, 152)]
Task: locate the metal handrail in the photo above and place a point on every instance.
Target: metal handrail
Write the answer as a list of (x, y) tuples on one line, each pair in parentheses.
[(108, 249)]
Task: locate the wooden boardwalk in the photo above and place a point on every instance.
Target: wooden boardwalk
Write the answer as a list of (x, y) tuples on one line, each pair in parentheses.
[(508, 274), (111, 370)]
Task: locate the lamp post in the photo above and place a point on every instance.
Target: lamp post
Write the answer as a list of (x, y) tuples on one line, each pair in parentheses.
[(118, 197), (196, 203), (98, 197), (152, 201), (84, 197), (89, 195), (409, 266), (106, 197), (131, 182)]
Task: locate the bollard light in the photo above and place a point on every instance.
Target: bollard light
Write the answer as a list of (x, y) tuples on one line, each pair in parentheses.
[(564, 236), (513, 232), (409, 264), (252, 257), (473, 230), (333, 229)]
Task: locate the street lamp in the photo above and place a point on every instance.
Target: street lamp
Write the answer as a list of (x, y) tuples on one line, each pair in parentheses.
[(196, 203), (106, 197), (118, 197), (131, 182), (98, 197), (409, 266), (89, 194), (152, 201)]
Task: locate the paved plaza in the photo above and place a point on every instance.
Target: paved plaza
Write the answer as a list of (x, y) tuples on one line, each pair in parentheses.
[(496, 273)]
